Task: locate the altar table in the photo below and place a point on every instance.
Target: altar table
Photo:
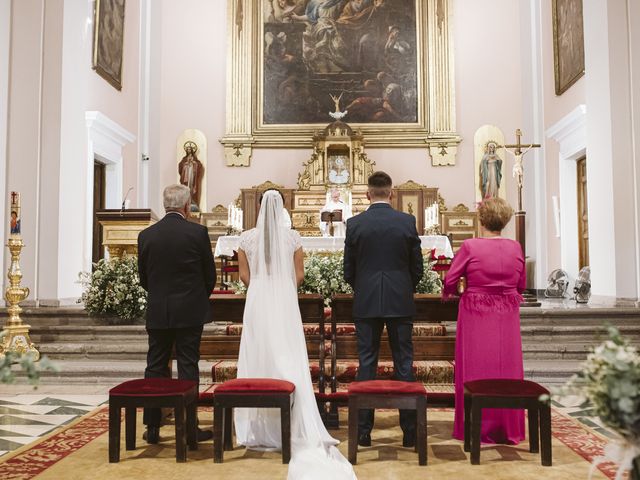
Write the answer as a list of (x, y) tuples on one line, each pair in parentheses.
[(228, 243)]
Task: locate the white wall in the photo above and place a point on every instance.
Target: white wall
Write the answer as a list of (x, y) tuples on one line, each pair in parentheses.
[(5, 50), (52, 86)]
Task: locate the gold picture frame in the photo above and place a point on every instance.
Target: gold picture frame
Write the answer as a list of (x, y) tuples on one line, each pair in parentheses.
[(108, 40), (568, 43), (435, 125)]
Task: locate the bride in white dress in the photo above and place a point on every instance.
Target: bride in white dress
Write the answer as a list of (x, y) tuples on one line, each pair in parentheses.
[(273, 346)]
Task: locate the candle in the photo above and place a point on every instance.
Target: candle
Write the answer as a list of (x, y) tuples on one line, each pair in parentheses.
[(14, 221), (229, 215), (426, 218)]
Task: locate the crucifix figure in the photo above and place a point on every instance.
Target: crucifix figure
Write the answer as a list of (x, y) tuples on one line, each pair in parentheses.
[(518, 171), (519, 149)]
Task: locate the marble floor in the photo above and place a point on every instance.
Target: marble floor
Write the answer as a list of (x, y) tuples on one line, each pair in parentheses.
[(27, 414)]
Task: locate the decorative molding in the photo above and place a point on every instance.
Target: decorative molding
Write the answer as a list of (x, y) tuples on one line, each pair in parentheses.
[(219, 209), (461, 208), (267, 185), (570, 132), (410, 185), (443, 153)]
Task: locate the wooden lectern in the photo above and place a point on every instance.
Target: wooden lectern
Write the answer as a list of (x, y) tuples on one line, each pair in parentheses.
[(330, 217), (120, 229)]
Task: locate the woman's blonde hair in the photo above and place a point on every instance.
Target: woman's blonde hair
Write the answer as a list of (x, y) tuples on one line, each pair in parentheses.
[(494, 213)]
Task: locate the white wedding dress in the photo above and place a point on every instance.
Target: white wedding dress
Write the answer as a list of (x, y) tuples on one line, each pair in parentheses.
[(273, 346)]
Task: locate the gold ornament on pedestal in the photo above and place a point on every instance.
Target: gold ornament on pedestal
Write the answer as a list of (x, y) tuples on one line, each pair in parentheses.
[(15, 333)]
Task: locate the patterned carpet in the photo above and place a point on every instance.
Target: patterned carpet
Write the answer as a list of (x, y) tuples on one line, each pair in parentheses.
[(75, 447)]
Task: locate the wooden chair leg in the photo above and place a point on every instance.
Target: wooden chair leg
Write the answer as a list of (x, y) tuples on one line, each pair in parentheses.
[(114, 433), (218, 426), (353, 430), (228, 429), (192, 426), (421, 430), (467, 423), (130, 427), (285, 429), (476, 422), (181, 437), (534, 437), (545, 434)]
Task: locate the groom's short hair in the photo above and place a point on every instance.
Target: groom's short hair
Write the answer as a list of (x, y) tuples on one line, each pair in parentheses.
[(380, 185)]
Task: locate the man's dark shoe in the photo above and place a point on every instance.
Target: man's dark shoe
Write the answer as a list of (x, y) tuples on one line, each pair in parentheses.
[(364, 440), (152, 435), (409, 440), (204, 435)]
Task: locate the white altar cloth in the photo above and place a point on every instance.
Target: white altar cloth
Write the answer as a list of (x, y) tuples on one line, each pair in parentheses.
[(228, 243)]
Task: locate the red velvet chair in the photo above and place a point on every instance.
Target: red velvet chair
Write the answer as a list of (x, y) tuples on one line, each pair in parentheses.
[(388, 394), (506, 393), (228, 266), (250, 393), (181, 395)]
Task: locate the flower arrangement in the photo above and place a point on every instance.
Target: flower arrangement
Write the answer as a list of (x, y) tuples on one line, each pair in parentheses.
[(430, 282), (324, 274), (113, 288), (610, 381)]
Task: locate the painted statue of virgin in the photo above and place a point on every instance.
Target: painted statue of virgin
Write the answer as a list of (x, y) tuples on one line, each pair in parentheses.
[(490, 172)]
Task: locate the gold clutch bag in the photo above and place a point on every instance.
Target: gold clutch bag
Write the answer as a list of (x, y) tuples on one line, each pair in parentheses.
[(462, 285)]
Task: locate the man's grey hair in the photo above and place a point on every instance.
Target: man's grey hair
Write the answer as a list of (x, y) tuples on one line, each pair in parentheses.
[(175, 197)]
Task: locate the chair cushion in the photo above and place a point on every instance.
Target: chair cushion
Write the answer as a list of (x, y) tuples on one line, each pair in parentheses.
[(338, 397), (387, 387), (256, 385), (504, 387), (153, 387)]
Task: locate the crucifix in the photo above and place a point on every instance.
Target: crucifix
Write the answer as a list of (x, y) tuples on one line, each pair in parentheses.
[(518, 173)]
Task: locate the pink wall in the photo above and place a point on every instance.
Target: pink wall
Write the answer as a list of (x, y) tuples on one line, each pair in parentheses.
[(190, 86), (123, 106), (555, 108)]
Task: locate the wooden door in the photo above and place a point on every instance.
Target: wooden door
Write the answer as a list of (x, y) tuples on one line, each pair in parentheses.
[(99, 187), (583, 214)]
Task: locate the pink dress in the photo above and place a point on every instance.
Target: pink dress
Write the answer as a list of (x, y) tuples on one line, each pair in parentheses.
[(488, 341)]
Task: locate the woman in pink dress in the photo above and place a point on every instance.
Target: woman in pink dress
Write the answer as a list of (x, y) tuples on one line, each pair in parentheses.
[(488, 342)]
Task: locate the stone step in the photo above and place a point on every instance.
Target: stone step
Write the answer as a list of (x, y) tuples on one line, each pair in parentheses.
[(112, 372)]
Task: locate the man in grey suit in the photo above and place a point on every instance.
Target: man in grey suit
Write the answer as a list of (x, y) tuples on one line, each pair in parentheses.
[(383, 264)]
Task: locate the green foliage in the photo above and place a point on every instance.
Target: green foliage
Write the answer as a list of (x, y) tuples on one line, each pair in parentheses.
[(324, 274), (114, 289), (27, 364), (610, 380)]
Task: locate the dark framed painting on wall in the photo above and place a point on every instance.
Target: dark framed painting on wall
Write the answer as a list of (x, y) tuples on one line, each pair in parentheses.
[(108, 40), (568, 43)]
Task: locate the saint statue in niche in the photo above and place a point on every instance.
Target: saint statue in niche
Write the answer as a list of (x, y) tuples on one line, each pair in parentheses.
[(490, 172), (191, 173)]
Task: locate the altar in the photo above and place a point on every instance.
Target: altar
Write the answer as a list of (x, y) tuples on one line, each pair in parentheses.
[(226, 245)]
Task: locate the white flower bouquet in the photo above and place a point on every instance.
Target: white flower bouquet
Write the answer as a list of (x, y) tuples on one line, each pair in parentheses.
[(610, 381), (113, 288)]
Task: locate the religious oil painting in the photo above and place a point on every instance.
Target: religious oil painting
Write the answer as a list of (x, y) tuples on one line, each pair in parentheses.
[(568, 43), (108, 40), (366, 50)]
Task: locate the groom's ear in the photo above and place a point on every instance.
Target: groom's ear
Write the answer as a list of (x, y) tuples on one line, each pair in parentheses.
[(368, 196)]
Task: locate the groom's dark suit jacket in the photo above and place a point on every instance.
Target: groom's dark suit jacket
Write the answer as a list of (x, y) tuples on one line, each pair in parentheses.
[(382, 262), (176, 267)]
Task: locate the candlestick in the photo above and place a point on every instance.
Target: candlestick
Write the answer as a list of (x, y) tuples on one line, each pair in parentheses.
[(16, 338)]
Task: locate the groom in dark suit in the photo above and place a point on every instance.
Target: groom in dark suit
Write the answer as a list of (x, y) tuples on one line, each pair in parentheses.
[(176, 267), (383, 264)]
